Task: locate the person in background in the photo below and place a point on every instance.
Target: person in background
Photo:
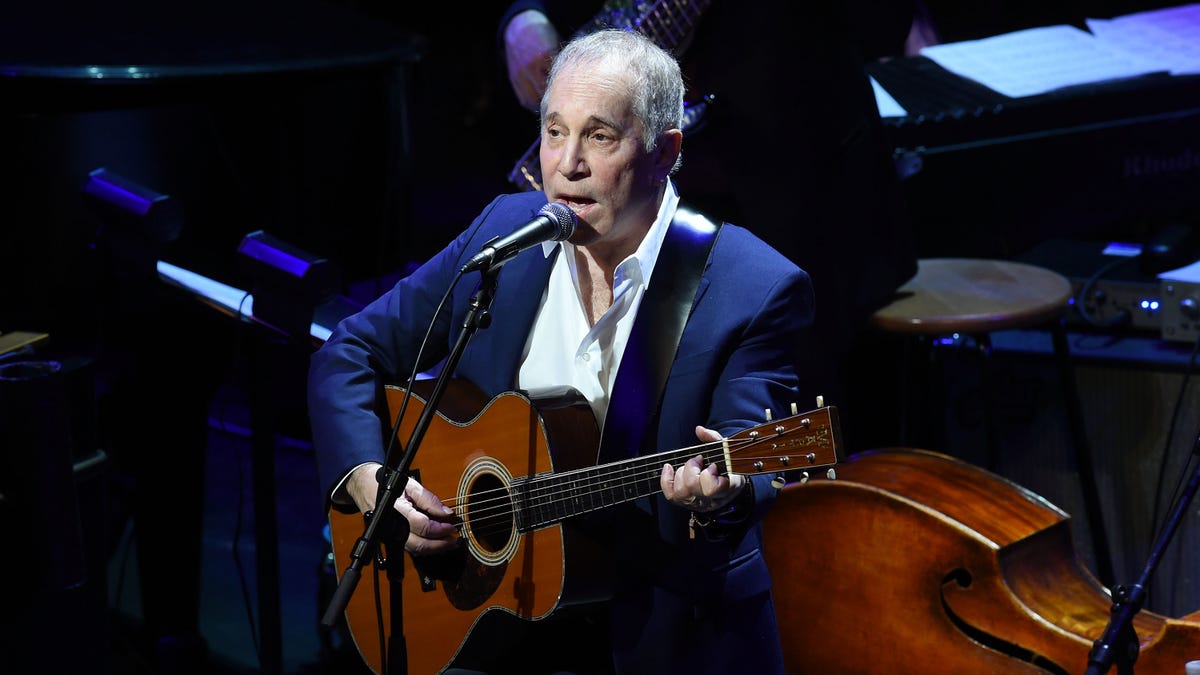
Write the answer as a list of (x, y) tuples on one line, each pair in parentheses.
[(691, 591)]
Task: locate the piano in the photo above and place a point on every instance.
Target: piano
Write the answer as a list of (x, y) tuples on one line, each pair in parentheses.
[(987, 175)]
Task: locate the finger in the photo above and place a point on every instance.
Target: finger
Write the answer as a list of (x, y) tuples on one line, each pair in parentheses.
[(690, 475), (666, 480), (425, 500), (712, 483), (418, 545), (683, 485), (736, 481), (675, 486), (420, 523)]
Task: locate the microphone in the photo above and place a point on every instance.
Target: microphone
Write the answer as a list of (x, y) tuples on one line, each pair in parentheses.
[(554, 222)]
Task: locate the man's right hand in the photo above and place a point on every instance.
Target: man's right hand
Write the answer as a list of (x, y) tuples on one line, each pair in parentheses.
[(432, 526)]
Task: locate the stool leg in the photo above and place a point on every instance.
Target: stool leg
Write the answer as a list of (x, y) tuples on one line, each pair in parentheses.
[(907, 374), (983, 343), (1083, 455), (916, 394)]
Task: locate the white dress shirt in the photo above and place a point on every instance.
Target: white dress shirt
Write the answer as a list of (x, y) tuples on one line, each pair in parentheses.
[(564, 348)]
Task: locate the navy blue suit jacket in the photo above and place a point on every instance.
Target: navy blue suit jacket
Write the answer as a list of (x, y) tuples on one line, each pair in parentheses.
[(736, 358)]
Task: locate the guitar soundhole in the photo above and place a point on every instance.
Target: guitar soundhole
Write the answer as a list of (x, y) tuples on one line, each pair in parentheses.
[(488, 513)]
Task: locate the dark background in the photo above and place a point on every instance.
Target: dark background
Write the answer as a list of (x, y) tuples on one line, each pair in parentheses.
[(365, 133)]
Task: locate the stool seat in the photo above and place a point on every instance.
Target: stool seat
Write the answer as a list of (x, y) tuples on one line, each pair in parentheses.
[(970, 295)]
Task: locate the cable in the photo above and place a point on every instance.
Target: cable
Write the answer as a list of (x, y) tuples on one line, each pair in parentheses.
[(1162, 466), (1121, 316)]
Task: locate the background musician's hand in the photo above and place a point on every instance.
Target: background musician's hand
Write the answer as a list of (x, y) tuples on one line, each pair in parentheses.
[(697, 487), (530, 42), (432, 526)]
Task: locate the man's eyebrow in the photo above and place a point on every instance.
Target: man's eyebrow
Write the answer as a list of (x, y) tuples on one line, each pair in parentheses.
[(601, 121), (593, 120)]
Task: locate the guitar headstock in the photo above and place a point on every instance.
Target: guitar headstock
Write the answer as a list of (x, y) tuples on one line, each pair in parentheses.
[(800, 443)]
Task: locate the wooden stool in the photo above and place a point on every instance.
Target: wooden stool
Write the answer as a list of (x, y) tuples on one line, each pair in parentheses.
[(975, 297)]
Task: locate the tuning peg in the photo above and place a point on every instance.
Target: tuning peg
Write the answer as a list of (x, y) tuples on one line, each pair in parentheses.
[(820, 401), (795, 409), (831, 474), (778, 481), (767, 414)]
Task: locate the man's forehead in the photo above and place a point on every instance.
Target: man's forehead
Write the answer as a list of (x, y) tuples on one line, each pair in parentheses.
[(594, 94)]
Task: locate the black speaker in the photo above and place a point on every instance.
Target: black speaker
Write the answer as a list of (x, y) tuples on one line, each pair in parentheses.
[(53, 506)]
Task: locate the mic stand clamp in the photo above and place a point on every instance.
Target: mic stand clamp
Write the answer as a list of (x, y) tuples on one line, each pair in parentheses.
[(384, 519), (1119, 643)]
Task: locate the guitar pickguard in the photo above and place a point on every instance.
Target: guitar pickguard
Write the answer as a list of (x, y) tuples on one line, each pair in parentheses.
[(466, 583)]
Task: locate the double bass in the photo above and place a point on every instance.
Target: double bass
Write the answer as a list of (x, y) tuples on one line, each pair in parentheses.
[(916, 562)]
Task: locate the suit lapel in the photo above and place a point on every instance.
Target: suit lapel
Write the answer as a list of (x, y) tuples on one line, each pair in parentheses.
[(674, 288)]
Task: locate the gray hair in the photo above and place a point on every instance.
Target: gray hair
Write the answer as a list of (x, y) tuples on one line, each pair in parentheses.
[(654, 79)]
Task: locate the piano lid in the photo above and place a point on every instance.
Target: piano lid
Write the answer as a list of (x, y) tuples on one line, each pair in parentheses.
[(945, 109)]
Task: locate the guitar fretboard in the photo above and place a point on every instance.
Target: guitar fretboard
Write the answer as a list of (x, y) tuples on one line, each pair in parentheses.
[(547, 499), (668, 23)]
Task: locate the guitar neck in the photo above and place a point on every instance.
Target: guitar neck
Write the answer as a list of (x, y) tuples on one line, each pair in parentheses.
[(668, 23), (543, 500), (805, 441)]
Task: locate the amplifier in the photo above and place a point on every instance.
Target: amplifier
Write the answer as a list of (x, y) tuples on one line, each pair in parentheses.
[(1110, 291), (1180, 310)]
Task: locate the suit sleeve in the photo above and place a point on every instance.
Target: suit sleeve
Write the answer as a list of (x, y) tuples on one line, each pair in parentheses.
[(377, 346), (738, 358)]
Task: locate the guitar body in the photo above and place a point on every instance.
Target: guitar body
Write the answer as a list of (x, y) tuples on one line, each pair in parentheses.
[(517, 473), (498, 569)]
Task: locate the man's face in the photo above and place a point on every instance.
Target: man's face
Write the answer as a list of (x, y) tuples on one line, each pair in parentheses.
[(592, 157)]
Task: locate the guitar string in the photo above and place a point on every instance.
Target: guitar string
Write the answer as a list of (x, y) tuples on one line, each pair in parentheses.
[(621, 469), (652, 463), (487, 513)]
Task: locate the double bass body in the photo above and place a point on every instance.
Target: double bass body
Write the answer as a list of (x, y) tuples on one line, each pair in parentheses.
[(915, 562)]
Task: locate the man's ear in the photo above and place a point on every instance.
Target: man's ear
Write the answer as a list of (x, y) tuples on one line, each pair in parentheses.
[(669, 146)]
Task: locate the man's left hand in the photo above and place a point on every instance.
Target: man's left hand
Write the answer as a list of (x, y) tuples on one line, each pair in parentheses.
[(697, 487)]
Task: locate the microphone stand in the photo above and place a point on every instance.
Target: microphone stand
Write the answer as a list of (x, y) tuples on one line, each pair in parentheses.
[(1119, 643), (384, 521)]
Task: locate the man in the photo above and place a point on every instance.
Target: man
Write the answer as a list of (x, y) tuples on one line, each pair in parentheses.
[(792, 146), (691, 591)]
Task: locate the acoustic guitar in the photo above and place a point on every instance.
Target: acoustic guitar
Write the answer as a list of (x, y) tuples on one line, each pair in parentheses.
[(517, 469)]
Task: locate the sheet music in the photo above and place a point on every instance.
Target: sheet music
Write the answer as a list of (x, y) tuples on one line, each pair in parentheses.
[(1039, 60), (888, 106), (1170, 37), (1188, 273)]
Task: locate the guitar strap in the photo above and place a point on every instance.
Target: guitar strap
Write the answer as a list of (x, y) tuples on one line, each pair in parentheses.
[(654, 338)]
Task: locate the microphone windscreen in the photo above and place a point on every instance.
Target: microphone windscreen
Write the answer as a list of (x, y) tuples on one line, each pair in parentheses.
[(563, 217)]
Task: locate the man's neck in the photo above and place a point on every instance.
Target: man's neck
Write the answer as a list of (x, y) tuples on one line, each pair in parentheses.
[(595, 282)]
